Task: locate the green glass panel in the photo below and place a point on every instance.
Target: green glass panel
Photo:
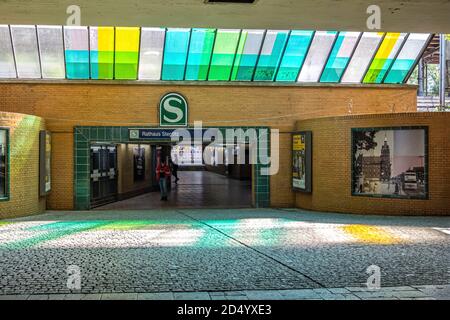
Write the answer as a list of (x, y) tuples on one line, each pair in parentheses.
[(223, 54)]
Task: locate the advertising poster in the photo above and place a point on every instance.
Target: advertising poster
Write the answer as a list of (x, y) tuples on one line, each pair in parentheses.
[(301, 161), (45, 155), (390, 162), (139, 163)]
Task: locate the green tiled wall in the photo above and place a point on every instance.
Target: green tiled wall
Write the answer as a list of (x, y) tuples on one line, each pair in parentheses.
[(84, 135)]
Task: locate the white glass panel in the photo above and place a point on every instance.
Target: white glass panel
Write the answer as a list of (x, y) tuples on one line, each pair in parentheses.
[(76, 46), (26, 51), (317, 56), (51, 51), (340, 56), (407, 57), (151, 53), (362, 57), (7, 67)]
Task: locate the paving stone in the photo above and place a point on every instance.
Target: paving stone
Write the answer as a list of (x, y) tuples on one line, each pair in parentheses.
[(92, 296), (38, 297), (399, 288), (119, 296), (14, 297), (155, 296), (216, 293), (410, 294), (234, 293), (338, 290), (74, 296), (241, 297), (263, 295), (56, 297), (191, 296), (299, 294)]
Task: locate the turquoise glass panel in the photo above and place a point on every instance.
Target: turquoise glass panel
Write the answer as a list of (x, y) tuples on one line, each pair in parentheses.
[(399, 71), (77, 64), (294, 55), (271, 53), (407, 57), (175, 54), (200, 50), (339, 56)]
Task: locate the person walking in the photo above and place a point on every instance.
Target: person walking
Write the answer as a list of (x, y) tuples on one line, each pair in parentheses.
[(174, 168), (162, 175)]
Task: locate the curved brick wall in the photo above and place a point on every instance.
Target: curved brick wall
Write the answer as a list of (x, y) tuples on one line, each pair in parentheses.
[(23, 165), (332, 165)]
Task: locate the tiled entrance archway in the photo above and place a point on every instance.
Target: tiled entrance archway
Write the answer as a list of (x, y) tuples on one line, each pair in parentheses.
[(85, 135)]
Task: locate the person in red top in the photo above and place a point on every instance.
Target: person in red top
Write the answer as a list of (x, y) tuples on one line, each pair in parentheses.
[(162, 175)]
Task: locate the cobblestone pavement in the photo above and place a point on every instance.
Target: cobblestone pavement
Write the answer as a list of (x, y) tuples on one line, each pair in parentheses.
[(222, 254)]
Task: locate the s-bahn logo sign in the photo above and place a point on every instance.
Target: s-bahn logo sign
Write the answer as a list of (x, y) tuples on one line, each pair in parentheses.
[(173, 110)]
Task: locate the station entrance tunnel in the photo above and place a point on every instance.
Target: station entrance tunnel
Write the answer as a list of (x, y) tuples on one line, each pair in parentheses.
[(123, 176)]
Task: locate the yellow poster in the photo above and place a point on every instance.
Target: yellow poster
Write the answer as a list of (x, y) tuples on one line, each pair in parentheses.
[(298, 161)]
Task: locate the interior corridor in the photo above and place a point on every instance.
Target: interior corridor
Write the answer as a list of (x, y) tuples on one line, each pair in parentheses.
[(195, 189)]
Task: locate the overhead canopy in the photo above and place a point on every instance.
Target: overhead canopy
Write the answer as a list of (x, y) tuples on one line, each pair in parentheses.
[(178, 54), (396, 15)]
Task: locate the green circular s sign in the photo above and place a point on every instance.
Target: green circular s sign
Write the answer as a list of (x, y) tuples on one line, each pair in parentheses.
[(173, 110)]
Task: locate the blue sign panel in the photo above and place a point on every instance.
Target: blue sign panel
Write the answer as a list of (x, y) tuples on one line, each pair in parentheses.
[(165, 134)]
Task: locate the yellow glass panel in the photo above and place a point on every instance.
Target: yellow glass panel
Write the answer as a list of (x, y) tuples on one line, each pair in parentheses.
[(105, 38), (127, 39), (388, 44)]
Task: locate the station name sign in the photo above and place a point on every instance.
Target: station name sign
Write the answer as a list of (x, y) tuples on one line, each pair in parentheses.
[(165, 134)]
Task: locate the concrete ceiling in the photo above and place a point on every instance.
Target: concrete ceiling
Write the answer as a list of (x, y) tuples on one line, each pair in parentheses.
[(404, 16)]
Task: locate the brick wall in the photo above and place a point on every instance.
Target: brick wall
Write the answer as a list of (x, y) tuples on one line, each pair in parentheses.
[(24, 196), (67, 104), (331, 178)]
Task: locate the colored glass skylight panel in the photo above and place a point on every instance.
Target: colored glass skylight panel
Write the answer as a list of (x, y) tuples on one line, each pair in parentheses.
[(271, 53), (384, 57), (364, 52), (7, 66), (51, 51), (175, 53), (101, 40), (407, 57), (294, 55), (76, 42), (247, 55), (199, 56), (224, 53), (26, 51), (340, 56), (151, 53), (317, 56), (126, 55)]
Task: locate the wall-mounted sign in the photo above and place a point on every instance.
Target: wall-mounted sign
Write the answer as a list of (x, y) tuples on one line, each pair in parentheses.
[(390, 162), (301, 161), (173, 110), (139, 163), (45, 152), (158, 134)]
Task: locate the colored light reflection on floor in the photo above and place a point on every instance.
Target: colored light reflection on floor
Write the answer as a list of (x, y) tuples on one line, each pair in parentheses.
[(176, 233), (149, 232), (370, 234)]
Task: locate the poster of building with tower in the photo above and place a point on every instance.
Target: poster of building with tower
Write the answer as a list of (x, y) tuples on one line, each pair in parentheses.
[(389, 162)]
